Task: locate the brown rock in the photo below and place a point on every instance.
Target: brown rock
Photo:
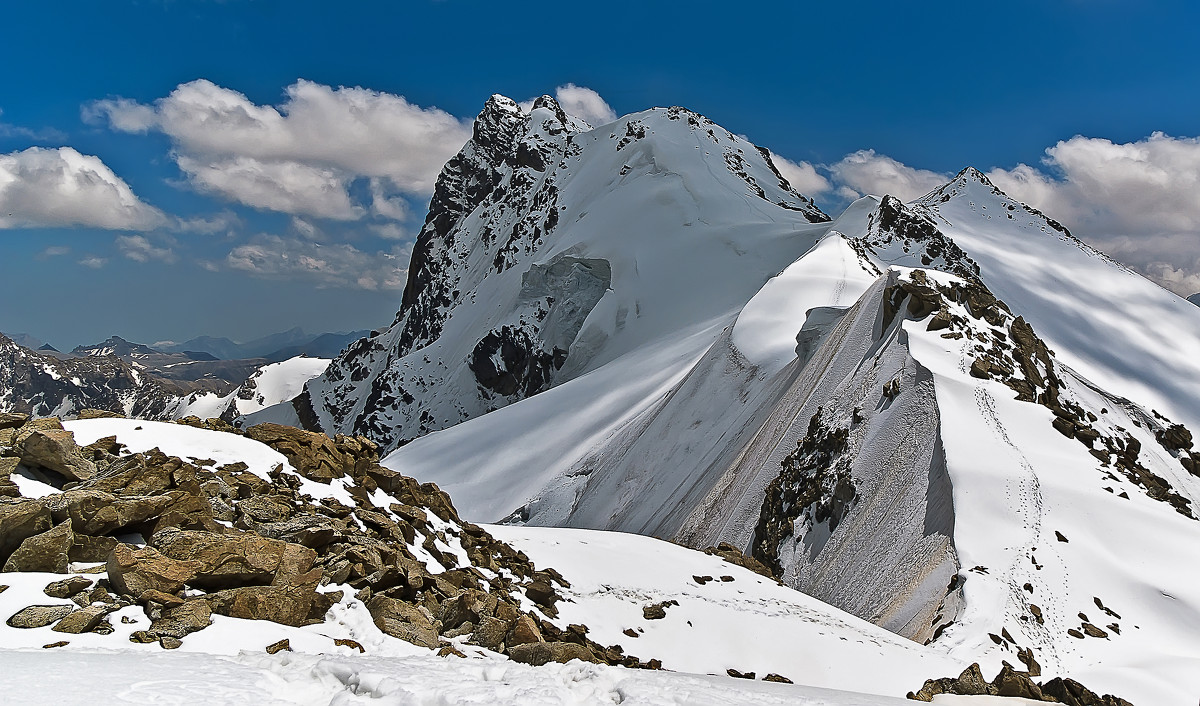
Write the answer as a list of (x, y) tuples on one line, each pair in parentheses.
[(134, 570), (20, 521), (39, 616), (524, 631), (539, 653), (54, 449), (313, 455), (229, 561), (170, 643), (402, 620), (182, 620), (281, 646), (287, 604), (490, 633), (43, 552), (777, 678), (67, 587), (52, 645), (85, 619)]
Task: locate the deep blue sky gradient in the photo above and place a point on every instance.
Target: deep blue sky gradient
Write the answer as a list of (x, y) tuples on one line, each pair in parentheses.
[(936, 85)]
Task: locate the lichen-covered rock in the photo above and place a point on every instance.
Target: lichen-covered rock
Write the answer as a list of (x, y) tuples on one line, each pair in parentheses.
[(286, 604), (231, 560), (400, 619), (46, 552), (39, 616), (539, 653), (19, 521), (54, 449), (133, 571)]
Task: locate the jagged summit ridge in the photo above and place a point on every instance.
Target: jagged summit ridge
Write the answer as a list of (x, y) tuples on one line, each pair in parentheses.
[(533, 226)]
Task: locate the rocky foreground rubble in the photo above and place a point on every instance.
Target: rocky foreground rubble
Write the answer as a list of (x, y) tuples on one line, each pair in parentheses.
[(187, 539)]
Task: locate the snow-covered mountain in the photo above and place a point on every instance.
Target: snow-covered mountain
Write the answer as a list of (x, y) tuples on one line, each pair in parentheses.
[(551, 250), (961, 433), (44, 384), (918, 413)]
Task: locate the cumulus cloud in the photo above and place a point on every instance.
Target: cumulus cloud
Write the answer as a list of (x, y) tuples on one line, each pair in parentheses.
[(54, 251), (60, 187), (866, 172), (1136, 201), (585, 104), (801, 175), (334, 265), (301, 156), (94, 262), (581, 102), (139, 249)]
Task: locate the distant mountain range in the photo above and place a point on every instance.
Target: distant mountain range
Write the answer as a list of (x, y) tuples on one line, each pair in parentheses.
[(275, 347)]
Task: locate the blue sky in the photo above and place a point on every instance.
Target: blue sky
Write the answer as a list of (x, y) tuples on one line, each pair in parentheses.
[(184, 215)]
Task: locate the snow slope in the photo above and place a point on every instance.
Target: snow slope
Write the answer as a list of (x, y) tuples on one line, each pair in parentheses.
[(270, 385), (940, 518)]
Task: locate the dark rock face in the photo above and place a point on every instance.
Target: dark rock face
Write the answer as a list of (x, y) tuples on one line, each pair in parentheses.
[(814, 487), (508, 362), (912, 238)]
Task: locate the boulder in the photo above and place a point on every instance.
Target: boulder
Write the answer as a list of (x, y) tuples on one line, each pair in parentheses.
[(402, 620), (539, 653), (95, 512), (56, 450), (89, 549), (12, 420), (67, 587), (230, 561), (133, 570), (44, 552), (182, 620), (20, 521), (287, 604), (39, 616), (313, 455), (524, 631), (84, 619)]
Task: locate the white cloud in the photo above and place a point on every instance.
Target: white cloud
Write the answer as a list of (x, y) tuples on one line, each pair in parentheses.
[(1136, 201), (338, 265), (301, 156), (865, 172), (801, 175), (94, 262), (285, 186), (139, 249), (61, 187), (585, 104), (55, 251)]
